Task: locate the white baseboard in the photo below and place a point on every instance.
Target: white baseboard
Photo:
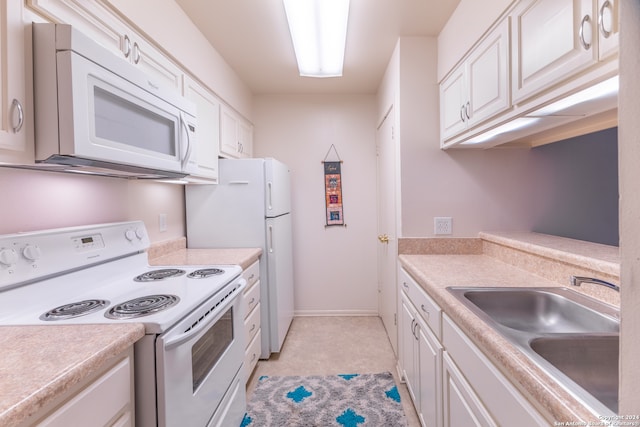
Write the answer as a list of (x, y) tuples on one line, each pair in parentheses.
[(335, 313)]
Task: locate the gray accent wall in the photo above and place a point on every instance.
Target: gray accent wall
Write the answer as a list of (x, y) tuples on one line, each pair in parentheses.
[(576, 194)]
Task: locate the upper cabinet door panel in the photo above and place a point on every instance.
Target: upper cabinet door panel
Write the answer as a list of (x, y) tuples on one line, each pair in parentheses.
[(488, 69), (551, 41), (453, 98)]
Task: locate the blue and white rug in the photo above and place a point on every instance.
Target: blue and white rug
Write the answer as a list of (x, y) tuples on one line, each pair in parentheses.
[(354, 400)]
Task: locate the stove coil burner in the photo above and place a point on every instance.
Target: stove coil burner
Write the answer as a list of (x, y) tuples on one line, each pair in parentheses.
[(75, 309), (161, 274), (203, 273), (142, 306)]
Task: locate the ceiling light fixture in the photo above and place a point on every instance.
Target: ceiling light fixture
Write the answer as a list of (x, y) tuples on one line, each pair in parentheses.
[(319, 31)]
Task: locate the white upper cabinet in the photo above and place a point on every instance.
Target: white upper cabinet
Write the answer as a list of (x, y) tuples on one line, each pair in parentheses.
[(479, 87), (14, 108), (236, 134), (101, 24), (553, 40), (208, 127), (608, 28)]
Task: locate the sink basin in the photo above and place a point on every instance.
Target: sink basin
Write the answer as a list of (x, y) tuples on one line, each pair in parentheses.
[(590, 361), (572, 337), (541, 310)]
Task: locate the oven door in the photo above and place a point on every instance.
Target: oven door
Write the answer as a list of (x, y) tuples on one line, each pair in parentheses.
[(197, 361)]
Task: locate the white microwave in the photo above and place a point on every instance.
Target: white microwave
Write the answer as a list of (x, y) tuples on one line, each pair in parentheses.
[(96, 112)]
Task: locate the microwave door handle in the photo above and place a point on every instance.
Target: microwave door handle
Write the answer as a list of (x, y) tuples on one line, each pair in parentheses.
[(187, 155)]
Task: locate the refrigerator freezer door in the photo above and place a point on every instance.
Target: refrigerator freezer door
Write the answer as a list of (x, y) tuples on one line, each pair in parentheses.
[(280, 271), (278, 188)]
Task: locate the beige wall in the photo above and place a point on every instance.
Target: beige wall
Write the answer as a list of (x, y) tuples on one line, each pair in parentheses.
[(480, 190), (629, 158), (34, 200), (335, 267)]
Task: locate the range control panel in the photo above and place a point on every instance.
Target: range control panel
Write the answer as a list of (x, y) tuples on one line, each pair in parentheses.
[(26, 257)]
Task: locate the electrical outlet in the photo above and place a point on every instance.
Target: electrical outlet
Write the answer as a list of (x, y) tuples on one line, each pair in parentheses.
[(442, 225), (162, 222)]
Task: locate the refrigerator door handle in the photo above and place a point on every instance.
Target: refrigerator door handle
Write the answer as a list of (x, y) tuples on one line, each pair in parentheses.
[(270, 190), (271, 239), (239, 182)]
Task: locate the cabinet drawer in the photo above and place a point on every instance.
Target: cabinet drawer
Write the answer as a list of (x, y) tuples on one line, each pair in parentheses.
[(252, 324), (252, 274), (251, 298), (251, 355), (427, 307)]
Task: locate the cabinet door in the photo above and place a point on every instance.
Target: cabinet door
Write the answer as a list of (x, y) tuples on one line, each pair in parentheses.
[(430, 366), (488, 76), (409, 350), (208, 127), (14, 147), (608, 28), (453, 100), (245, 139), (229, 144), (462, 408), (547, 45), (107, 29)]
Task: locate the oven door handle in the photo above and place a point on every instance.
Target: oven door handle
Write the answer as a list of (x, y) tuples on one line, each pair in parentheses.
[(212, 317)]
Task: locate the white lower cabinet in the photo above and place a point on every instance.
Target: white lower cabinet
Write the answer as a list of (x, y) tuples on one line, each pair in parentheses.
[(105, 400), (476, 393), (420, 350), (252, 329)]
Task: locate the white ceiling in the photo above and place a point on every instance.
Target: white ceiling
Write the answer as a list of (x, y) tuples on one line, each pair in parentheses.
[(253, 37)]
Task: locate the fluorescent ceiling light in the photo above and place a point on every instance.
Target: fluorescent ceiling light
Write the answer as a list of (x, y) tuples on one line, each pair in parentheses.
[(319, 32), (603, 89), (516, 124)]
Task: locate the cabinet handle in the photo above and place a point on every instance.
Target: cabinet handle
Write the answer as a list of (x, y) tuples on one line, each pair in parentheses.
[(585, 33), (17, 106), (466, 110), (462, 113), (425, 310), (252, 276), (405, 285), (253, 327), (126, 49), (252, 300), (137, 56), (607, 8)]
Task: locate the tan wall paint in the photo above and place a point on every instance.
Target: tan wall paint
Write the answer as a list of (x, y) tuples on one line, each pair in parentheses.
[(629, 158), (335, 267), (41, 200)]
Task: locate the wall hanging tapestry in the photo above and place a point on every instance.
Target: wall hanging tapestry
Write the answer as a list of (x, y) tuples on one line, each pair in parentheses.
[(333, 190), (353, 400)]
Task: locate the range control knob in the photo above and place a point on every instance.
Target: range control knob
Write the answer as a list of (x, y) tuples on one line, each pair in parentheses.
[(140, 233), (32, 252), (130, 235), (8, 256)]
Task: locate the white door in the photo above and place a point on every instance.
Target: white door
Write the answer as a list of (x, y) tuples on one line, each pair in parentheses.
[(387, 242)]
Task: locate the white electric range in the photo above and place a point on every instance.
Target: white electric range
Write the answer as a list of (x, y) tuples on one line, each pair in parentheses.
[(188, 363)]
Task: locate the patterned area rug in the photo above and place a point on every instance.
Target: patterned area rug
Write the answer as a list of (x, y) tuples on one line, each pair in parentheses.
[(355, 400)]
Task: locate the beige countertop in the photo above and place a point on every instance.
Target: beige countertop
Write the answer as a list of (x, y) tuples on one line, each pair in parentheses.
[(40, 363), (175, 253), (514, 260)]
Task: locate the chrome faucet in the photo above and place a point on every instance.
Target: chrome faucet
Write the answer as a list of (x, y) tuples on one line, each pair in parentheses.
[(577, 280)]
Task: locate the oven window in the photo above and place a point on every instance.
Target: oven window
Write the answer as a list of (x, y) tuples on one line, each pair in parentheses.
[(119, 120), (206, 352)]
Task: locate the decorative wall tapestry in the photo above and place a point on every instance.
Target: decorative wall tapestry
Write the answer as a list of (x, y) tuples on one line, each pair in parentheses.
[(333, 190)]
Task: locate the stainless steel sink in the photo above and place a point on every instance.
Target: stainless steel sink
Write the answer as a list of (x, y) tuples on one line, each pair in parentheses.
[(542, 310), (572, 337), (591, 361)]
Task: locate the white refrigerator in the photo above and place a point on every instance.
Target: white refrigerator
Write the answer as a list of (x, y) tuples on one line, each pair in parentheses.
[(251, 207)]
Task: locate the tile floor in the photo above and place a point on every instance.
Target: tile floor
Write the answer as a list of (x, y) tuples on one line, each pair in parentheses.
[(335, 345)]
